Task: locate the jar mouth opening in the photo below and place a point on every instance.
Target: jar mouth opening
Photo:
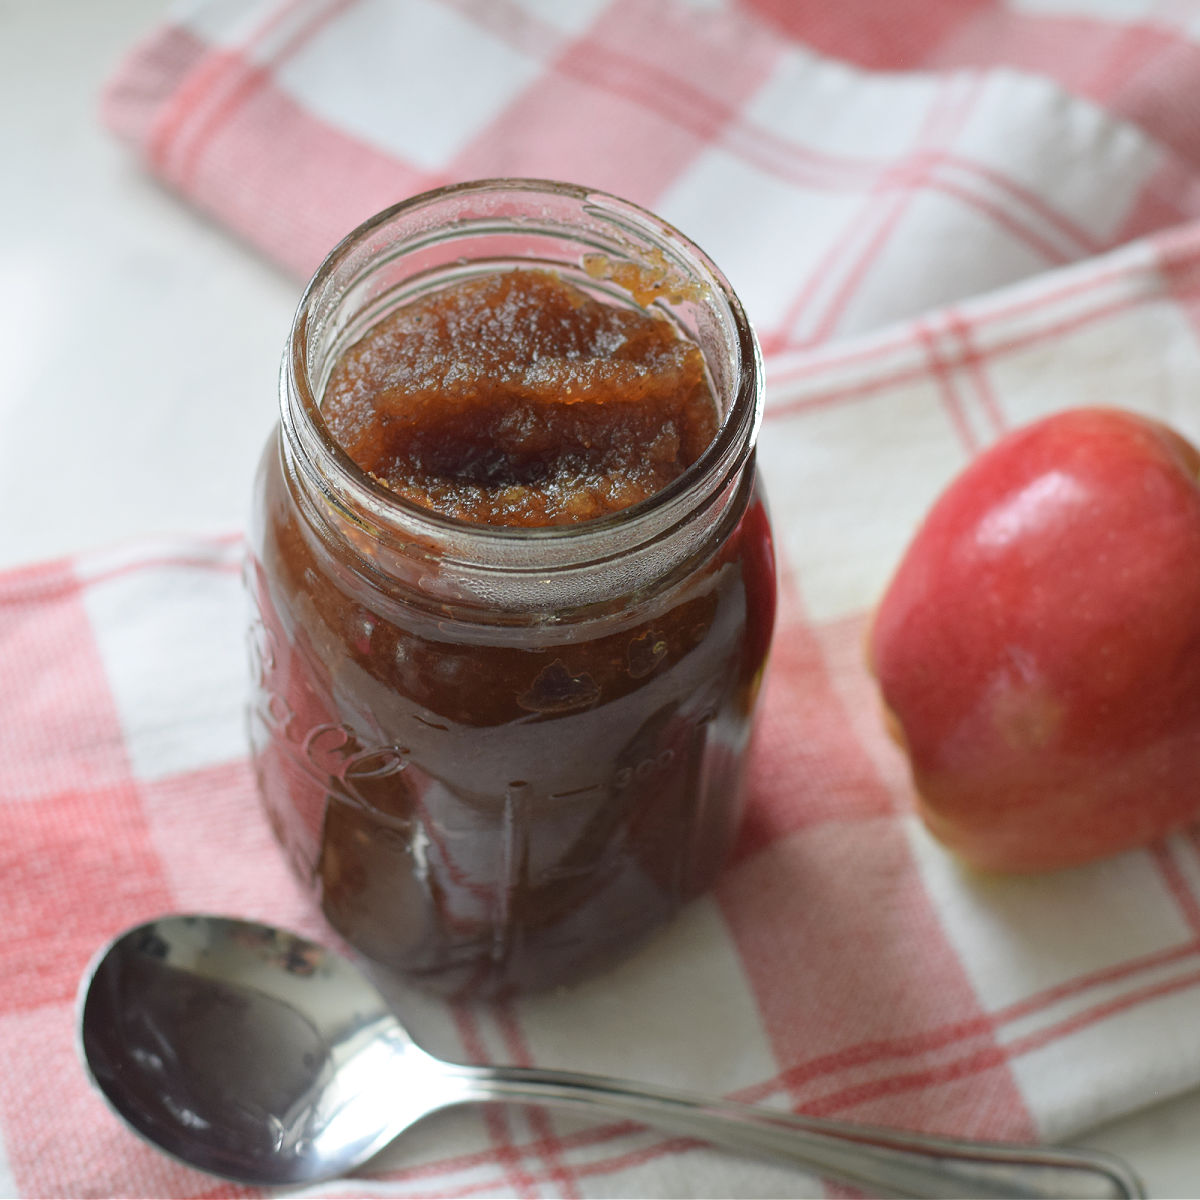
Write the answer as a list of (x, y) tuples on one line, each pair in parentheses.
[(350, 487)]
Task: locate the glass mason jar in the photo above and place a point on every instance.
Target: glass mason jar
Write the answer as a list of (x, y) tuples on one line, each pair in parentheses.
[(502, 756)]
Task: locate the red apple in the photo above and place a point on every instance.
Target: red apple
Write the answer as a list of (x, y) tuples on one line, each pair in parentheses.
[(1038, 650)]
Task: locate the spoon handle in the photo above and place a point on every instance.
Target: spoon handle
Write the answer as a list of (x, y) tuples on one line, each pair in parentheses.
[(885, 1162)]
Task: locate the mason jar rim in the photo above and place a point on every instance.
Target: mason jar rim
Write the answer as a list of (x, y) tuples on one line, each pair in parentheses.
[(356, 493)]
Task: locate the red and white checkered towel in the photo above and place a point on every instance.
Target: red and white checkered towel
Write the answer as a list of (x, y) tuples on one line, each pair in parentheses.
[(946, 217)]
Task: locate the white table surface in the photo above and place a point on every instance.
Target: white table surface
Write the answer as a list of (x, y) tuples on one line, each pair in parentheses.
[(138, 351)]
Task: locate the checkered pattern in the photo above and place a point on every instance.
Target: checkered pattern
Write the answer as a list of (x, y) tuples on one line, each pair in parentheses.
[(947, 217)]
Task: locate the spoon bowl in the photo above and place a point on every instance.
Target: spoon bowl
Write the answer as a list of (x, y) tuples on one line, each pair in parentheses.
[(259, 1056), (249, 1052)]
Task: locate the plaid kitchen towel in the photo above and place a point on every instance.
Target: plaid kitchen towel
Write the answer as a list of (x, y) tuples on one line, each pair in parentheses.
[(946, 217)]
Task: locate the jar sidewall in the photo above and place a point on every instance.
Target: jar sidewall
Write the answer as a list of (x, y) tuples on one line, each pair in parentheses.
[(654, 780)]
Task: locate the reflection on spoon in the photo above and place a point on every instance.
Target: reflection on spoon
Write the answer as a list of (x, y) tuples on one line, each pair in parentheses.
[(261, 1057)]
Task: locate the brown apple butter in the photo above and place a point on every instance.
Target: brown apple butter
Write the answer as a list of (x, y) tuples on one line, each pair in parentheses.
[(515, 592), (516, 399)]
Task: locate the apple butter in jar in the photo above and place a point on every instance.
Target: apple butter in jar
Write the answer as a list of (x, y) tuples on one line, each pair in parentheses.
[(514, 584)]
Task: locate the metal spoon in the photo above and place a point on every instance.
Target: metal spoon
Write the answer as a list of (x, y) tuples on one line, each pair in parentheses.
[(256, 1055)]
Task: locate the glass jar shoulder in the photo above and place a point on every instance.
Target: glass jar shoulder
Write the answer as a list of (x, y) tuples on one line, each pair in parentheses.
[(715, 619)]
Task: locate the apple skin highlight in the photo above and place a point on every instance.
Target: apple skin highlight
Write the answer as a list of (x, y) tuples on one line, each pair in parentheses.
[(1038, 648)]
